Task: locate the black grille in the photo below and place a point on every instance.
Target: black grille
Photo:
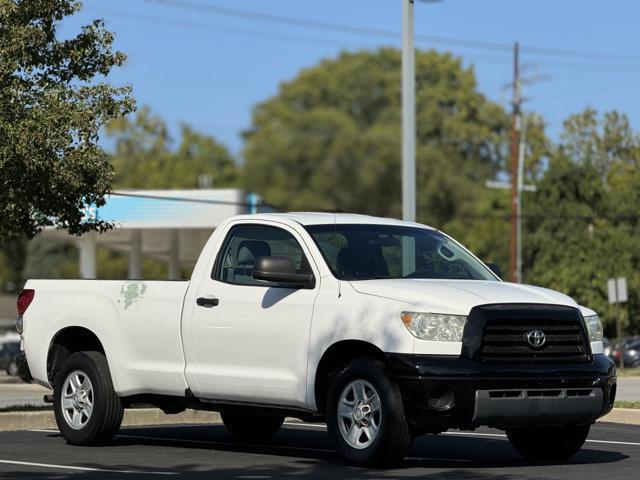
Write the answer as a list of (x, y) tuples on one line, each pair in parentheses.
[(505, 340)]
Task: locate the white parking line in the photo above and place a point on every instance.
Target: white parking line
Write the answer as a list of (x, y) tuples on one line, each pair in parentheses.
[(84, 469), (473, 434), (635, 444)]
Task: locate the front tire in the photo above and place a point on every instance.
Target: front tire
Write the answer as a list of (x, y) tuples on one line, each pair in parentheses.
[(365, 415), (251, 427), (86, 407), (548, 443)]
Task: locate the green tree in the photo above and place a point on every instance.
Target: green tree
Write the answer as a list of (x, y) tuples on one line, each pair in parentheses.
[(330, 138), (13, 252), (53, 260), (144, 156), (51, 110), (601, 142), (563, 250), (584, 223)]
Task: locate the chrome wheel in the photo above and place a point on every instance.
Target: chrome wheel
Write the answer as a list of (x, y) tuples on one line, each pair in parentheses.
[(77, 399), (359, 414)]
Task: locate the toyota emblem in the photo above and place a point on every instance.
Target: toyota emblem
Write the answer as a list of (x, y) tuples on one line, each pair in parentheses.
[(536, 338)]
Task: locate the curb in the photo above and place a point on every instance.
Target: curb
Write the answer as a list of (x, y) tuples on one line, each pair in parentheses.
[(14, 421), (627, 416)]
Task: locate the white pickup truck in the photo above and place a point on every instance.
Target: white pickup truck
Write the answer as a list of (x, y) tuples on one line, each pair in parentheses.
[(384, 329)]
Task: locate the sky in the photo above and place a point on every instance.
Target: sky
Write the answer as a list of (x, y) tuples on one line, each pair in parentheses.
[(209, 62)]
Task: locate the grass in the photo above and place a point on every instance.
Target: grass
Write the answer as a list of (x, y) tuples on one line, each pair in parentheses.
[(45, 408), (627, 404), (26, 408), (628, 372)]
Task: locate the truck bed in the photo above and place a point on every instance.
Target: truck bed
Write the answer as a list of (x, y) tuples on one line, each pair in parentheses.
[(139, 321)]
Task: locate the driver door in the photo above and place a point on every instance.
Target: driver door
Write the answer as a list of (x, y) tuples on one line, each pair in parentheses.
[(250, 337)]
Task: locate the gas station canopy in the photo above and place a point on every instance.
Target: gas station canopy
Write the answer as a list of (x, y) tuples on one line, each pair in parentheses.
[(168, 225)]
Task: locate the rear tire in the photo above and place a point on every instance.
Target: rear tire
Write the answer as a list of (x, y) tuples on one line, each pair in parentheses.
[(86, 406), (548, 443), (251, 427), (365, 415)]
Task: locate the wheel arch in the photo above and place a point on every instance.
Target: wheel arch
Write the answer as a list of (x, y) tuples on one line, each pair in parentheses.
[(69, 340), (337, 355)]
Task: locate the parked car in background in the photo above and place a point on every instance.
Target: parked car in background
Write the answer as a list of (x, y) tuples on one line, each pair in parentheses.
[(606, 345), (630, 353), (8, 357)]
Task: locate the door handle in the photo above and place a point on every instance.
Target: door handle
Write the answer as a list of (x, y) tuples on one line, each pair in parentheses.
[(207, 302)]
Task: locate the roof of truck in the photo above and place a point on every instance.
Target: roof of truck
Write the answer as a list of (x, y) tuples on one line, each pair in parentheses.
[(323, 218)]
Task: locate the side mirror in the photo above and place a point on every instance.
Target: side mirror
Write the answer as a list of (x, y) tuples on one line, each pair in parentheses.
[(495, 269), (281, 270)]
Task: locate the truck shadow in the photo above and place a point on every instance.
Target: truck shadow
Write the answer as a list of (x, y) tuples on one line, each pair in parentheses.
[(274, 295), (295, 453), (430, 451)]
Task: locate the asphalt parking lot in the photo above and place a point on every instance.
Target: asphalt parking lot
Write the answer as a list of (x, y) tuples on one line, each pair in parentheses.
[(302, 451)]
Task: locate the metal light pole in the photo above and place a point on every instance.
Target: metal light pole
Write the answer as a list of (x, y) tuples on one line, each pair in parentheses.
[(515, 140), (520, 187), (408, 114)]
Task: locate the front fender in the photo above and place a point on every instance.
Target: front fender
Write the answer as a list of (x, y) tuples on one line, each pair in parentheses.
[(341, 314)]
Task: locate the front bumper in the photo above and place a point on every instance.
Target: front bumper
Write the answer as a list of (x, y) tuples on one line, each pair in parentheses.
[(503, 396)]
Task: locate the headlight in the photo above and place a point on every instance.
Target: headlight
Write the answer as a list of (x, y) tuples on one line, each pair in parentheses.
[(436, 327), (594, 327)]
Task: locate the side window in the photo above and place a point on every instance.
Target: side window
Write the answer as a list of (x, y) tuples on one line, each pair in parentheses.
[(245, 243)]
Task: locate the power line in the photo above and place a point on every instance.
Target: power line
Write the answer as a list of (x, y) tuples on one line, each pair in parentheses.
[(207, 27), (507, 216), (602, 67), (248, 32), (561, 52), (466, 43), (190, 200), (288, 38)]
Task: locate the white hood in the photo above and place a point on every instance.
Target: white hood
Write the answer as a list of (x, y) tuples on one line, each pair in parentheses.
[(458, 297)]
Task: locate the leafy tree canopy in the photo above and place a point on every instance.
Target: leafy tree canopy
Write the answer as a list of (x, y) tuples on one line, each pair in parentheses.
[(330, 138), (582, 224), (51, 110), (601, 142), (144, 156)]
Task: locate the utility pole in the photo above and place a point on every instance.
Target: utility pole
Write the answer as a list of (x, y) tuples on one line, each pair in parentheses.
[(521, 187), (515, 150), (516, 185), (408, 114)]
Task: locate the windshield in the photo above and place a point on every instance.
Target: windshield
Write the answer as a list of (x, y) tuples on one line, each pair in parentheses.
[(364, 252)]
